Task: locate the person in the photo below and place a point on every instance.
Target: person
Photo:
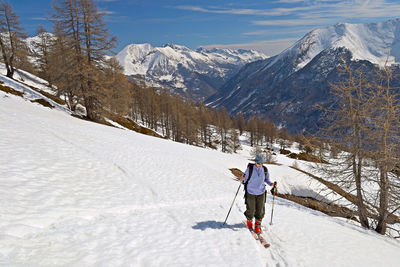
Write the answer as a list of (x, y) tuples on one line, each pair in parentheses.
[(255, 192)]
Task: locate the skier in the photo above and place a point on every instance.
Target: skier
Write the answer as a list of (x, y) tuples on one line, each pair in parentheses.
[(255, 193)]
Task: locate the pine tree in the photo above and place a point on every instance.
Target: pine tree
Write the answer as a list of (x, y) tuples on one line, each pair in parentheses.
[(251, 126), (13, 49), (62, 66), (81, 25), (223, 125), (240, 123), (116, 87), (270, 132), (260, 131), (42, 53), (204, 124), (385, 107), (348, 126), (284, 138), (234, 140)]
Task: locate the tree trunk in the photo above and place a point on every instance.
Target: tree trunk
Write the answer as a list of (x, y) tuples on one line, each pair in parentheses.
[(384, 202), (360, 202), (90, 108)]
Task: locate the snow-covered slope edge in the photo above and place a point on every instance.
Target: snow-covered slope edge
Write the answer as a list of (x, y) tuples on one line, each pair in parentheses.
[(83, 194), (29, 93)]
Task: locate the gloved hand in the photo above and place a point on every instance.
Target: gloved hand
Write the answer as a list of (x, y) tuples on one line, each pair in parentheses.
[(274, 190)]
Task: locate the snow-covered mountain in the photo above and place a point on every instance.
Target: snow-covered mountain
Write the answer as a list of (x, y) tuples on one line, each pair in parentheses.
[(374, 42), (196, 74), (286, 88)]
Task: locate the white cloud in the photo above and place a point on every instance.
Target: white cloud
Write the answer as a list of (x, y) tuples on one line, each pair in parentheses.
[(107, 12), (291, 22), (313, 9), (39, 18), (290, 1), (278, 32), (238, 11)]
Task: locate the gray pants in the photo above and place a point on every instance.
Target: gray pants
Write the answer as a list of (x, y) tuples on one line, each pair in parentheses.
[(255, 206)]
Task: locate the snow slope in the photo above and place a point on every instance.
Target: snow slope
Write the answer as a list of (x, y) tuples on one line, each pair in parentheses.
[(76, 193)]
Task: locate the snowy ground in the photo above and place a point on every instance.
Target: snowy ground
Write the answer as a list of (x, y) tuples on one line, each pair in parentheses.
[(76, 193)]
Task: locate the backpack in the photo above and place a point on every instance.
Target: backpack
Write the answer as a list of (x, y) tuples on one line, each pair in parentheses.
[(251, 165)]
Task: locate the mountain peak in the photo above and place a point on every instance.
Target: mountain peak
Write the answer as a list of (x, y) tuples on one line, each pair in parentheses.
[(176, 46), (375, 42)]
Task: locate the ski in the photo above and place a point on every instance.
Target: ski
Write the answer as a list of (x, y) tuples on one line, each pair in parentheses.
[(263, 242), (258, 237)]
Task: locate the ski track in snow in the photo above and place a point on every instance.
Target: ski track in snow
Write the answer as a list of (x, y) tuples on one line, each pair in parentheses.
[(75, 193)]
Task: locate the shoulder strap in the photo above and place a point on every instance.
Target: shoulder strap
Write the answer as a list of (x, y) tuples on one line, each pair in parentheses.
[(265, 170), (250, 166)]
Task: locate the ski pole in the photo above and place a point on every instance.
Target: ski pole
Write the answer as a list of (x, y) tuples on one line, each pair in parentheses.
[(273, 201), (232, 204)]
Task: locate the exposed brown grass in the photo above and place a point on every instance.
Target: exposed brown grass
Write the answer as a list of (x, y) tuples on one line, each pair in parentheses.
[(307, 157), (285, 151), (131, 125), (127, 123), (9, 90), (46, 94), (42, 102), (211, 146), (311, 158), (329, 209), (83, 118), (52, 97), (303, 156)]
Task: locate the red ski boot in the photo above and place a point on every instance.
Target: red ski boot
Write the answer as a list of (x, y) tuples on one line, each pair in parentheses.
[(258, 227), (249, 223)]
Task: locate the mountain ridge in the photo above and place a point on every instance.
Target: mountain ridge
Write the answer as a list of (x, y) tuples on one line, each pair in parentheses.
[(194, 73)]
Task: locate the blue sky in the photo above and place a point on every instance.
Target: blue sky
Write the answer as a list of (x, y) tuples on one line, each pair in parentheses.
[(268, 26)]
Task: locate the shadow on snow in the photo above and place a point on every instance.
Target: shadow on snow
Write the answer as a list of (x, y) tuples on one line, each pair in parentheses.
[(216, 225)]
